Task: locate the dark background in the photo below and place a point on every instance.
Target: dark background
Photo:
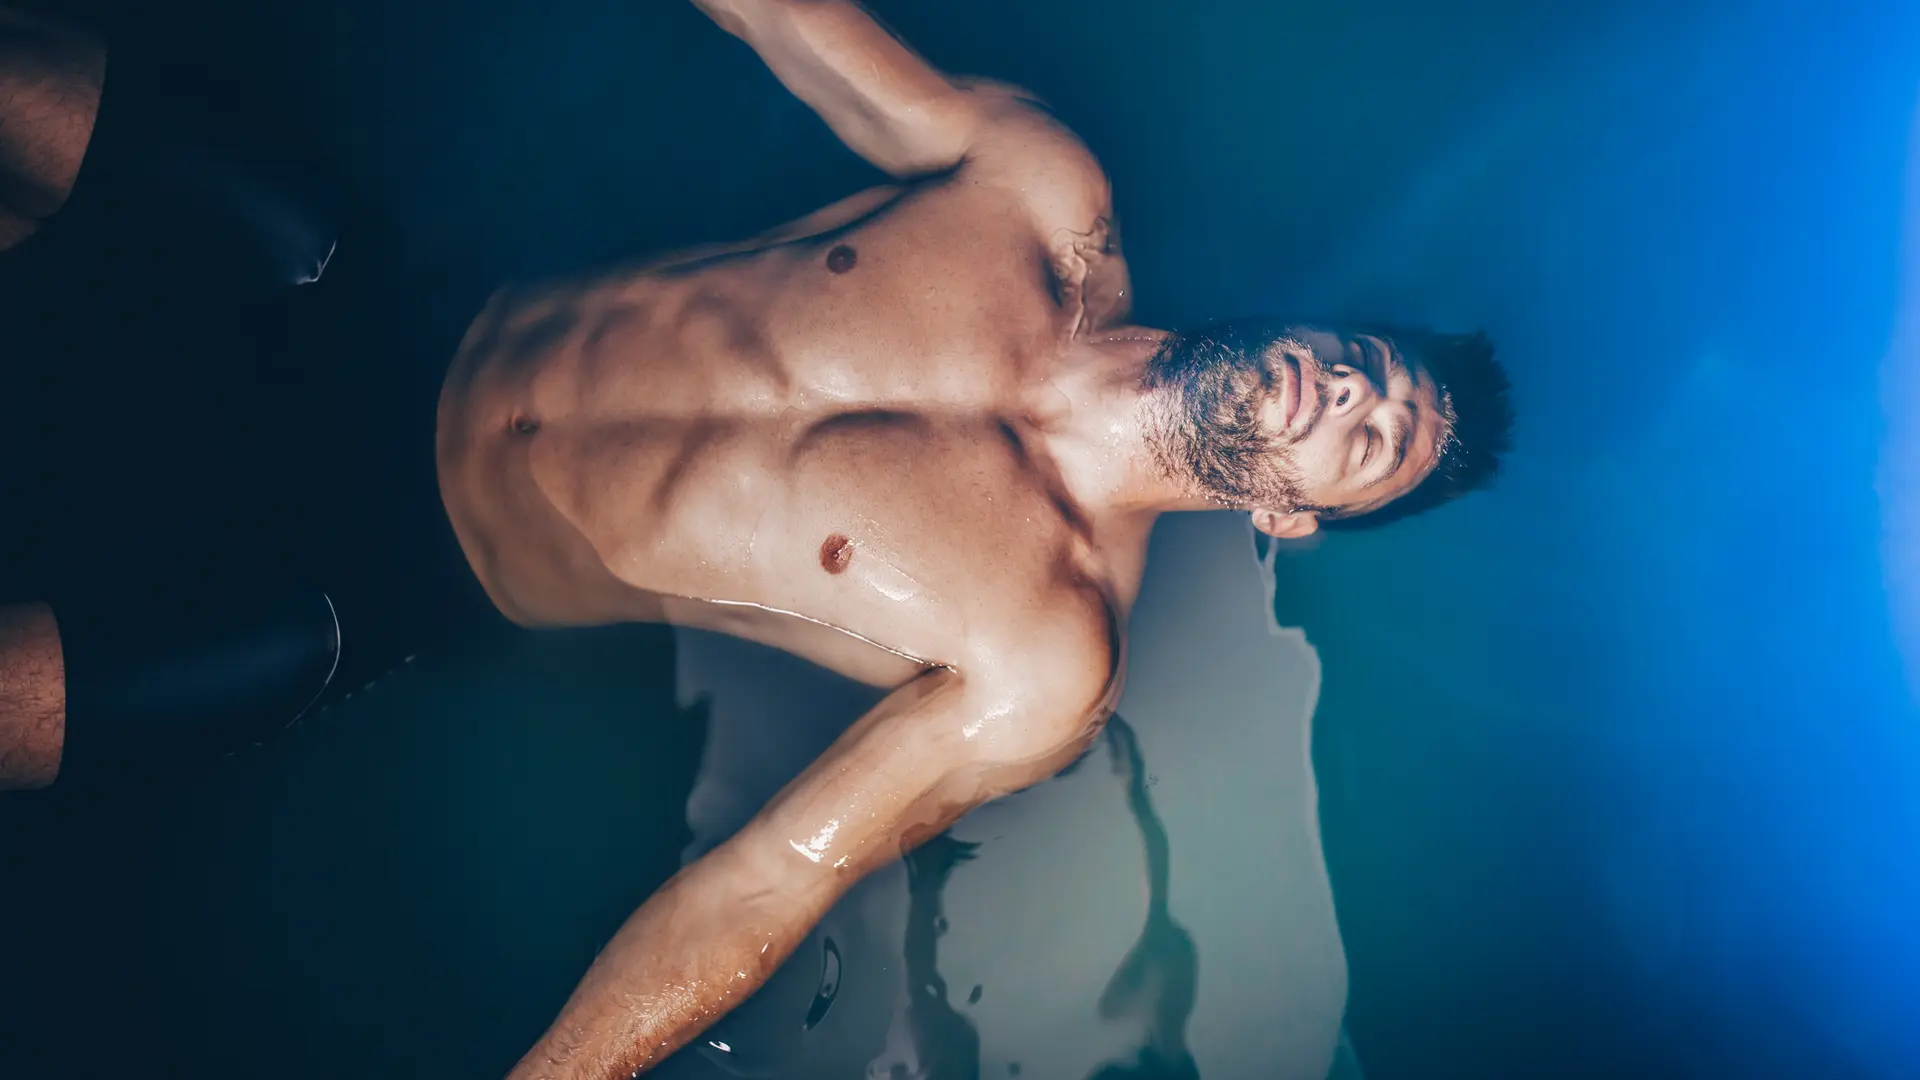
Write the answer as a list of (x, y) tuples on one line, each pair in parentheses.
[(1615, 780)]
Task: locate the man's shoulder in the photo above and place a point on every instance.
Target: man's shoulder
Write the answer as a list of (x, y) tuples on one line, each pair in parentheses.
[(1059, 644), (1028, 153), (1025, 146)]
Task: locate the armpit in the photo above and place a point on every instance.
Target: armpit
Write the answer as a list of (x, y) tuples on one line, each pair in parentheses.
[(1091, 275), (1029, 152)]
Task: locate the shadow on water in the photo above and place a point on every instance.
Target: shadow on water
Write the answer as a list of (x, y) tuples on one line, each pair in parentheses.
[(1158, 979), (1154, 986), (944, 1040)]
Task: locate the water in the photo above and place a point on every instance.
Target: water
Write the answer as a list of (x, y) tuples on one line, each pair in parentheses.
[(1138, 916), (421, 879)]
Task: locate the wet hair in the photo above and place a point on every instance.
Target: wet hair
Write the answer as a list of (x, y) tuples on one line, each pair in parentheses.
[(1474, 389)]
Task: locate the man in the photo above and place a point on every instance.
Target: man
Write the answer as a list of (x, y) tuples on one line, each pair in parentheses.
[(913, 438)]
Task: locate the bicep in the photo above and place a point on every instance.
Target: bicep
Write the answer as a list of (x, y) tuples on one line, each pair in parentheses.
[(911, 120), (880, 97)]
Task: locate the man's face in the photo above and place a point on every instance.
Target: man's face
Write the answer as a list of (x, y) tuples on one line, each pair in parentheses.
[(1301, 419)]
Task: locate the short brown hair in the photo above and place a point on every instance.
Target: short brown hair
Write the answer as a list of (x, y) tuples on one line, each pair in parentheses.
[(1476, 393)]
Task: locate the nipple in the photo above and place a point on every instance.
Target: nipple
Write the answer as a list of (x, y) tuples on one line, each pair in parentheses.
[(835, 554), (841, 258)]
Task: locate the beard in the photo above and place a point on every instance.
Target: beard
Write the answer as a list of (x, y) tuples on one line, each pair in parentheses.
[(1205, 391)]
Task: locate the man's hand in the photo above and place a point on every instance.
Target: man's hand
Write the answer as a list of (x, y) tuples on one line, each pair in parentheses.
[(933, 750)]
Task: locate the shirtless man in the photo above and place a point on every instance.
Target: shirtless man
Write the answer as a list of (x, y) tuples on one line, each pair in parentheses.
[(913, 438)]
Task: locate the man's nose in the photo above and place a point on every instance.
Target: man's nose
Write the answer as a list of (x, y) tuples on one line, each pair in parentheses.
[(1349, 388)]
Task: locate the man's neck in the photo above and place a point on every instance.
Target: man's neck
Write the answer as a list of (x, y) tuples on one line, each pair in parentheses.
[(1096, 421)]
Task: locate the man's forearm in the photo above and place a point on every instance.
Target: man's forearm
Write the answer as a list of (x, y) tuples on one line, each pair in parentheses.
[(700, 946), (907, 769)]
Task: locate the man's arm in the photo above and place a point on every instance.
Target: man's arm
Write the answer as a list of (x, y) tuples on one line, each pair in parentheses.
[(894, 109), (881, 98), (933, 750)]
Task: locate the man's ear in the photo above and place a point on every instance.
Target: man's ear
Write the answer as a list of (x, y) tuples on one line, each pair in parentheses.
[(1293, 525)]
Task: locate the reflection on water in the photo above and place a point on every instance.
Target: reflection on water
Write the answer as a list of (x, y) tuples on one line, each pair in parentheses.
[(945, 1044), (932, 1038), (1157, 981), (829, 984), (1152, 990)]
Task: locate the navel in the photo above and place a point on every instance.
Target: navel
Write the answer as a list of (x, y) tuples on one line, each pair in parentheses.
[(835, 553), (525, 425), (841, 258)]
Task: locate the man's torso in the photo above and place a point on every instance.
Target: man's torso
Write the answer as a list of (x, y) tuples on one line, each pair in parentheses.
[(821, 440)]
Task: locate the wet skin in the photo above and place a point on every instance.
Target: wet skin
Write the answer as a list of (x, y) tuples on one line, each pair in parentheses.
[(904, 438)]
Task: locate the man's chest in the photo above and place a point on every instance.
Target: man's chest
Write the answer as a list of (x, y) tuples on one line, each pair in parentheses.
[(913, 532), (934, 297), (945, 297)]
